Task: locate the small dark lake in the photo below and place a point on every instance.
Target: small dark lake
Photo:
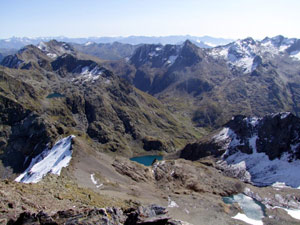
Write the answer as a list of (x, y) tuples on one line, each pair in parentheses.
[(55, 95), (146, 160)]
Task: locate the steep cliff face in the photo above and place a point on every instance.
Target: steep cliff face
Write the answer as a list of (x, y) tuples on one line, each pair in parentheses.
[(263, 151)]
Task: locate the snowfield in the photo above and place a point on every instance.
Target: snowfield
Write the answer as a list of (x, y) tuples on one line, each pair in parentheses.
[(257, 167), (49, 161), (242, 53)]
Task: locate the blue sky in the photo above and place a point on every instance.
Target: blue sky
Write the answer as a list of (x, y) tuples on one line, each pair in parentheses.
[(86, 18)]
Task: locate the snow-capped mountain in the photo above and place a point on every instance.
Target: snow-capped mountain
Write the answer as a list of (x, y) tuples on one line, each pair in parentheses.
[(247, 54), (54, 48), (41, 55), (157, 55), (263, 151)]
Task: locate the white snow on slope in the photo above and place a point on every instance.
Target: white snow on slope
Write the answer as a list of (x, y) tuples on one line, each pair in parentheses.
[(246, 219), (95, 181), (42, 46), (172, 59), (257, 167), (295, 213), (88, 74), (237, 54), (88, 43), (264, 171), (208, 43), (172, 204), (49, 161), (241, 53), (52, 55)]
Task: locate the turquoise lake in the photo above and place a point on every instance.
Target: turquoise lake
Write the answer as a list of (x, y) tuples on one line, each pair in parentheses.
[(55, 95), (146, 160)]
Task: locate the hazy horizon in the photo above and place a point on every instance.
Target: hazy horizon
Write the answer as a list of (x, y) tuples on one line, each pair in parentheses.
[(230, 19)]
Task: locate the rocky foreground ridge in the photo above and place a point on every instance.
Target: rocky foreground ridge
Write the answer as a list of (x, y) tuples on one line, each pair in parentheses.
[(151, 215)]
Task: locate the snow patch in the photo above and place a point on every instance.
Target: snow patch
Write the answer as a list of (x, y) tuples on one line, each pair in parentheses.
[(253, 121), (52, 55), (88, 43), (95, 181), (172, 59), (88, 74), (284, 115), (172, 204), (295, 213), (266, 172), (49, 161), (279, 185), (222, 135), (42, 46), (246, 219), (208, 43)]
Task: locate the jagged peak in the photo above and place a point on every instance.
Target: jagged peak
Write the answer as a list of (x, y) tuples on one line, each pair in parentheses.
[(248, 40), (188, 43)]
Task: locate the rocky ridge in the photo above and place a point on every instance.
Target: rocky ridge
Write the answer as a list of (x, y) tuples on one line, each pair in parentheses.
[(153, 214)]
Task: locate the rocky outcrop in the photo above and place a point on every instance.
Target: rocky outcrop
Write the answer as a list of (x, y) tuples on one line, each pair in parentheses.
[(183, 176), (135, 171), (150, 144), (196, 151), (11, 61), (150, 215)]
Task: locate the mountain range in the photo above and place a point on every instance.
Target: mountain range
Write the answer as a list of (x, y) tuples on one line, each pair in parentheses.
[(212, 85), (17, 43), (225, 119)]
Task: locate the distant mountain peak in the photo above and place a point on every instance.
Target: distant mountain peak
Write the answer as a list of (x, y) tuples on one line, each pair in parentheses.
[(55, 48), (16, 42), (241, 53)]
